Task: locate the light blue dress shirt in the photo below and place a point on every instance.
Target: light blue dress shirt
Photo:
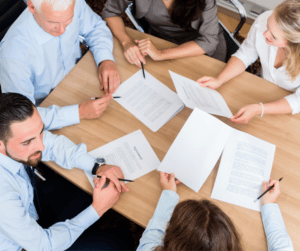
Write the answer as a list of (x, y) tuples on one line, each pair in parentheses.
[(33, 62), (153, 236), (18, 226)]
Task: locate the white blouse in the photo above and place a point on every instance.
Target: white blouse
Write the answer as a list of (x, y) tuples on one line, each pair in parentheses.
[(255, 46)]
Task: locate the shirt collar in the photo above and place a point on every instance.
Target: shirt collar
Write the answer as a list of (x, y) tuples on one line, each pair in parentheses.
[(10, 164), (40, 35)]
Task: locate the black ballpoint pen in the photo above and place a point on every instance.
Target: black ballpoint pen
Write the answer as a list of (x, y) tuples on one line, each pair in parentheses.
[(113, 97), (98, 176), (143, 69), (267, 190)]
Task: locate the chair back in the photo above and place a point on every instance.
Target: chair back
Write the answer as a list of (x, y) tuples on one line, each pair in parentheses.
[(10, 10)]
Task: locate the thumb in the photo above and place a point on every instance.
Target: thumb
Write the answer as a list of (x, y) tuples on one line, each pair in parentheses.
[(239, 113), (265, 186), (172, 176), (102, 181)]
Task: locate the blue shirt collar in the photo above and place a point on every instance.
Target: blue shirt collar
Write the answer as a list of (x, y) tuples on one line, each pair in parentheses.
[(40, 35), (10, 164)]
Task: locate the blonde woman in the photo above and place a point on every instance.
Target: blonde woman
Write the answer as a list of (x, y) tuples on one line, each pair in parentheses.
[(275, 39)]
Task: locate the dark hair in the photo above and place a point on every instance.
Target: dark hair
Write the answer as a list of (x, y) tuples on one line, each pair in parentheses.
[(183, 12), (200, 225), (14, 107)]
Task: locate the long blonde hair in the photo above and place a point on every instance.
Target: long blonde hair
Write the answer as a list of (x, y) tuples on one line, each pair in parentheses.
[(287, 16)]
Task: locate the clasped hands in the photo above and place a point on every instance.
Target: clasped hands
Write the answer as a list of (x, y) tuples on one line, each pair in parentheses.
[(135, 52), (105, 198)]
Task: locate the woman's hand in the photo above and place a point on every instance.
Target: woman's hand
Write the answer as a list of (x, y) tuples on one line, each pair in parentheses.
[(272, 195), (133, 54), (246, 113), (147, 48), (167, 181), (209, 82)]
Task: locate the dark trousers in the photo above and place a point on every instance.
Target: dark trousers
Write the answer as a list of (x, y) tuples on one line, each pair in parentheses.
[(61, 200)]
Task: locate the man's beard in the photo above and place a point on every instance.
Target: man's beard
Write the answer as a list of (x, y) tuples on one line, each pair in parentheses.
[(29, 162)]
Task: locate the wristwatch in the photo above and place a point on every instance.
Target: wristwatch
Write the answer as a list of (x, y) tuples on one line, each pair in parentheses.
[(98, 162)]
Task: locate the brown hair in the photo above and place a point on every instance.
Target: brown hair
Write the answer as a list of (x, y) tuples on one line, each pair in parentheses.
[(200, 225), (184, 12), (287, 16)]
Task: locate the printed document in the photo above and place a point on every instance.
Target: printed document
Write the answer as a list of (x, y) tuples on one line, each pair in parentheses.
[(246, 162), (132, 153), (204, 98), (149, 100)]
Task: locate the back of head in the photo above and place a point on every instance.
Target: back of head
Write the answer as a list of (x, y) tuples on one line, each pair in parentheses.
[(287, 15), (14, 107), (57, 5), (200, 225)]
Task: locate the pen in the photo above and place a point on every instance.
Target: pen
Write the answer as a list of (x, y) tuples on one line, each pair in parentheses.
[(113, 97), (143, 69), (98, 176), (267, 190)]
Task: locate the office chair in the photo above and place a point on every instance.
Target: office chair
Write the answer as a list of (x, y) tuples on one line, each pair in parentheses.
[(10, 10), (231, 43)]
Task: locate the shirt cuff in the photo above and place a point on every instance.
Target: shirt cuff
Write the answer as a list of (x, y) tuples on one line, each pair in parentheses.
[(86, 162), (87, 217), (103, 55), (294, 102), (72, 113)]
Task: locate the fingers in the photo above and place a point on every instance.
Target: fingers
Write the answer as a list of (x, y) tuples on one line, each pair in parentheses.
[(101, 182), (134, 56), (238, 118), (177, 182), (124, 187), (265, 186), (114, 179), (172, 177), (204, 81), (109, 76)]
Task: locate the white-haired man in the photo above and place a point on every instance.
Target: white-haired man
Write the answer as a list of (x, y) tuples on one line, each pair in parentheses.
[(42, 46)]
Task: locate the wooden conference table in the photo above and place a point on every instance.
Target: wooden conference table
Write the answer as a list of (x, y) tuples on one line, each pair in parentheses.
[(139, 204)]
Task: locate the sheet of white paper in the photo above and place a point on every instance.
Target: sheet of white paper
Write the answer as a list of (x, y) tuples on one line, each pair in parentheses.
[(196, 149), (203, 98), (132, 153), (149, 100), (246, 162)]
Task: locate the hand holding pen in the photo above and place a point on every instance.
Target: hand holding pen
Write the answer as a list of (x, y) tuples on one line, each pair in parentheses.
[(270, 192)]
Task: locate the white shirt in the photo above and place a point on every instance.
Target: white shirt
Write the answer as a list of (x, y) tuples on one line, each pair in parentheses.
[(255, 46)]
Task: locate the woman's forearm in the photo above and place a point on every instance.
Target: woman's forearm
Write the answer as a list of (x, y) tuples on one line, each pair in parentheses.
[(117, 27), (187, 49), (233, 68)]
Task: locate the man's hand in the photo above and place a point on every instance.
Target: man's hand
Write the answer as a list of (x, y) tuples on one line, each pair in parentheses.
[(147, 48), (91, 109), (246, 113), (133, 54), (114, 173), (209, 82), (104, 198), (109, 76), (272, 195), (167, 181)]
